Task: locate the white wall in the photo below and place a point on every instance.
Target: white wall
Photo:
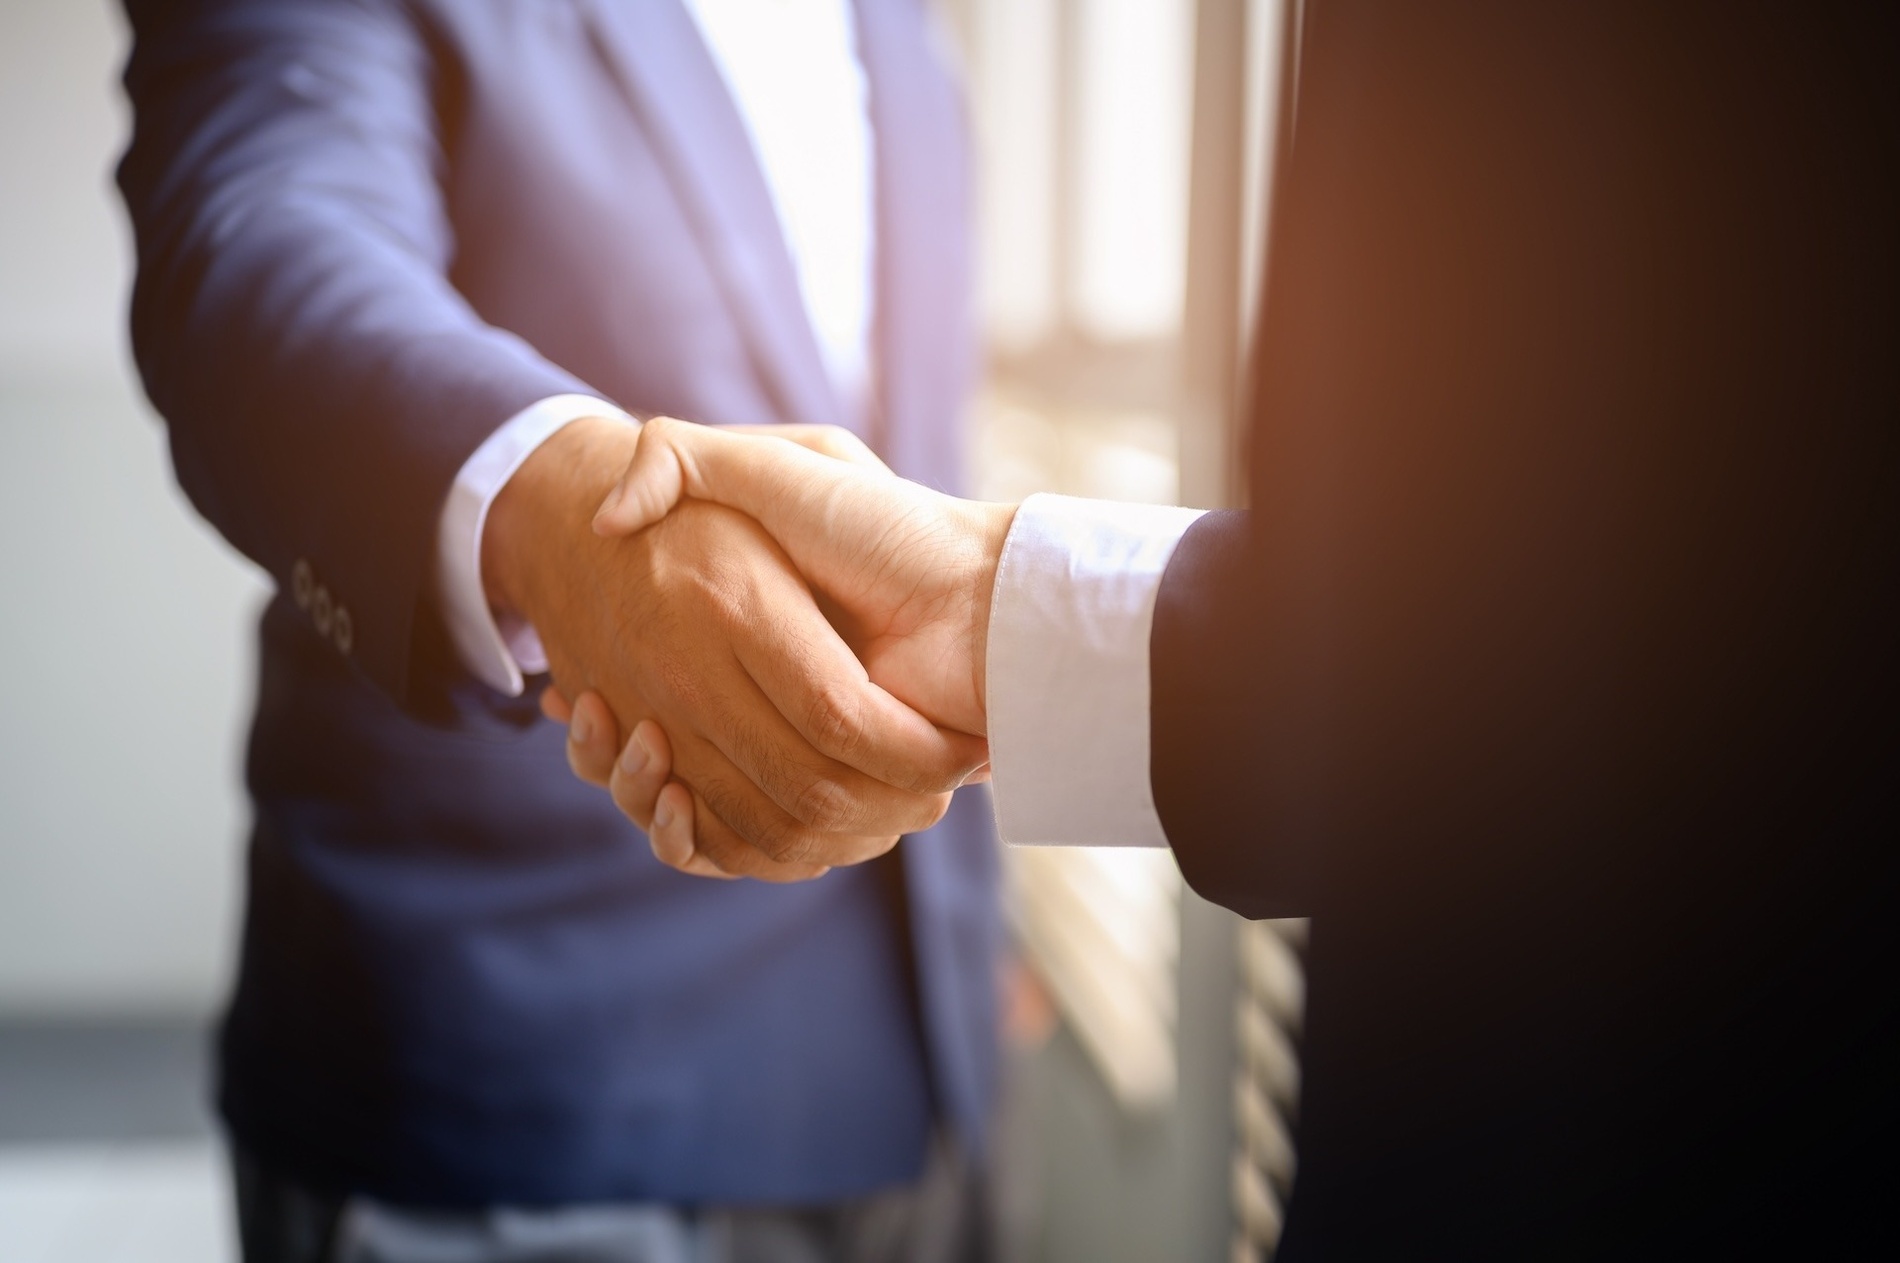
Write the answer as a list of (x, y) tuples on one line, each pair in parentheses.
[(125, 656)]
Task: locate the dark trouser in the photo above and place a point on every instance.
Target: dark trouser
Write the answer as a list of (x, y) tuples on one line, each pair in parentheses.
[(940, 1219)]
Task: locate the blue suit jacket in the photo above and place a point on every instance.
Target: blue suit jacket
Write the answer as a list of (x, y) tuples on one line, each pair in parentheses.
[(368, 233)]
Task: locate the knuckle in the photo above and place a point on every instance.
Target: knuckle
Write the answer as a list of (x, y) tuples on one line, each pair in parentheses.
[(836, 720), (871, 848), (824, 805), (680, 690), (756, 826), (785, 842), (938, 809)]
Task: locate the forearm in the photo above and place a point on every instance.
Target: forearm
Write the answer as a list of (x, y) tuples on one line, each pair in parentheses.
[(321, 378)]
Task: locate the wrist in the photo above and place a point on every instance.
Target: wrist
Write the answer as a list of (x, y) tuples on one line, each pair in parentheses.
[(545, 509), (990, 524)]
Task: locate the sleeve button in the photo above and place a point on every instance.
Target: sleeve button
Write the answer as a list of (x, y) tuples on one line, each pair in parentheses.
[(321, 610), (343, 630), (302, 584)]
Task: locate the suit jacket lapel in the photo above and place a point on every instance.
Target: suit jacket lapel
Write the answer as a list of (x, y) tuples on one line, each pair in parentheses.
[(924, 341), (675, 86)]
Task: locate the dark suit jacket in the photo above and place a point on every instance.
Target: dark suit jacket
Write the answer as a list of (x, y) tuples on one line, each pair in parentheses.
[(369, 231), (1552, 672)]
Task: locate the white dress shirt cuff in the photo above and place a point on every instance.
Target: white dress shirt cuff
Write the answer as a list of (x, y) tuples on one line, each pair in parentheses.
[(1068, 671), (496, 650)]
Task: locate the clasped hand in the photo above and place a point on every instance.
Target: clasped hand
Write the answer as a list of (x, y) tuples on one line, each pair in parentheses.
[(789, 639)]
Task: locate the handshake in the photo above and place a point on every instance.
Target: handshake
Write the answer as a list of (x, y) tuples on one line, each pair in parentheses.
[(788, 638)]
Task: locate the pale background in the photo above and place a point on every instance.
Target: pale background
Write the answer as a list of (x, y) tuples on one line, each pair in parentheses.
[(124, 630), (125, 633)]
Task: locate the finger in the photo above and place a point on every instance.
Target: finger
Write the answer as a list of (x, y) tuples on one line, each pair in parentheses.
[(717, 844), (820, 690), (672, 835), (820, 699), (743, 831), (666, 810), (651, 485), (746, 835), (593, 739), (812, 790), (689, 836), (554, 705), (641, 772), (671, 827), (670, 831)]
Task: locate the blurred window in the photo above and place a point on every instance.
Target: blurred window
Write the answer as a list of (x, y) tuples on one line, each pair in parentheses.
[(1121, 184)]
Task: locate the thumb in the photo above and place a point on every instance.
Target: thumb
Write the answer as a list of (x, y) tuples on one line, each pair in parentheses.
[(651, 485), (827, 440), (782, 485)]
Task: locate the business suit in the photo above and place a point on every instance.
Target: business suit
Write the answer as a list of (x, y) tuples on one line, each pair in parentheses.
[(1552, 671), (368, 234)]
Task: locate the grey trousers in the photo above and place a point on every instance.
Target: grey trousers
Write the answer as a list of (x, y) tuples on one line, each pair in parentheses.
[(940, 1219)]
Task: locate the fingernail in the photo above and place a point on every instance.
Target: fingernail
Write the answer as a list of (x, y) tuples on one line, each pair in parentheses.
[(580, 729), (662, 815), (635, 758)]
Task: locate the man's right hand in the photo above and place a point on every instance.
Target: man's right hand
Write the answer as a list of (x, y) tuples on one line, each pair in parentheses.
[(794, 759)]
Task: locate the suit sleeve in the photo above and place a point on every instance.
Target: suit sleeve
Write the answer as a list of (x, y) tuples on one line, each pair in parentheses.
[(292, 317), (1570, 552), (1211, 722)]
